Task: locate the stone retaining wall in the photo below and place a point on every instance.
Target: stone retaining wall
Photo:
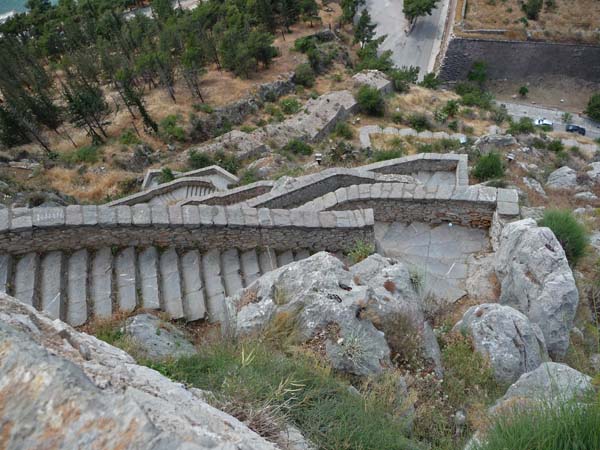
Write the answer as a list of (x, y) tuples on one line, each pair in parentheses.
[(472, 206), (520, 59), (161, 189), (232, 196), (24, 230)]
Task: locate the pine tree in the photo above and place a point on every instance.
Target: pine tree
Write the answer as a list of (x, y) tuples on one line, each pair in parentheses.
[(364, 32), (413, 9), (86, 107)]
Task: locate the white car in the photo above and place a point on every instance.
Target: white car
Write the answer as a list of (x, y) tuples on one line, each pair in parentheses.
[(543, 122)]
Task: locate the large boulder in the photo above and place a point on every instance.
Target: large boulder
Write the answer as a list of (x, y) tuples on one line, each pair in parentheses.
[(60, 388), (156, 339), (563, 178), (550, 382), (536, 279), (511, 342), (332, 307), (492, 142)]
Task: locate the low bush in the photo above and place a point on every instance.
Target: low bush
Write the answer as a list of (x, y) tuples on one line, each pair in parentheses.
[(343, 130), (197, 160), (488, 167), (419, 122), (430, 81), (360, 250), (166, 175), (304, 75), (403, 78), (523, 126), (593, 107), (249, 176), (89, 154), (227, 161), (298, 147), (169, 129), (129, 137), (384, 155), (289, 105), (571, 234), (555, 146), (370, 101)]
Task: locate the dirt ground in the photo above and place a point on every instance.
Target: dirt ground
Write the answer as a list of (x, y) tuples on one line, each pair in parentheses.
[(567, 94), (565, 21)]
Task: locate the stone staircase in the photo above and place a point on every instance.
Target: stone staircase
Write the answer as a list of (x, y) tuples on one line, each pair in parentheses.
[(186, 283), (184, 192)]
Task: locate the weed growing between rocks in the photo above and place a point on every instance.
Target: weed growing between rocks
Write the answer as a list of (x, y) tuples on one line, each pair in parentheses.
[(360, 250), (571, 234)]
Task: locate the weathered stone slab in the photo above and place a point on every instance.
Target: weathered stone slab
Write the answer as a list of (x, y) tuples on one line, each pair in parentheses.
[(170, 282), (148, 275), (232, 277), (51, 284), (101, 291), (194, 305), (26, 276), (77, 292), (215, 292), (5, 272), (250, 266), (125, 274), (285, 258)]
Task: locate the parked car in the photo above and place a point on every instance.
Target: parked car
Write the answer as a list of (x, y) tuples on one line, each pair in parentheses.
[(575, 129), (543, 122)]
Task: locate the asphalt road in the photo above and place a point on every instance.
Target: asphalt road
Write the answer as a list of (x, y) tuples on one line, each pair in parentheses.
[(421, 45), (517, 110)]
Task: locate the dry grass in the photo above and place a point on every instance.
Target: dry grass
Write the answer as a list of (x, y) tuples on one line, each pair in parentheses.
[(569, 20)]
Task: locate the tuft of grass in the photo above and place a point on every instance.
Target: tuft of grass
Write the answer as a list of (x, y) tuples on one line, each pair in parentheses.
[(370, 101), (298, 147), (384, 155), (170, 131), (566, 426), (571, 234), (256, 381), (343, 130), (360, 250), (290, 105), (129, 137)]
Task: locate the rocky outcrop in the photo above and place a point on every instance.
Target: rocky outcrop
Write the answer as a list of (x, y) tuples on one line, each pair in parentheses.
[(60, 388), (536, 279), (491, 142), (563, 178), (156, 339), (511, 342), (339, 310), (550, 382), (594, 172)]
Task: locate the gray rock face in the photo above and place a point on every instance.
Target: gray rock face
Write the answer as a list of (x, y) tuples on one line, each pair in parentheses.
[(594, 172), (586, 195), (563, 178), (157, 339), (511, 342), (536, 279), (83, 393), (534, 185), (549, 382), (491, 142), (327, 300)]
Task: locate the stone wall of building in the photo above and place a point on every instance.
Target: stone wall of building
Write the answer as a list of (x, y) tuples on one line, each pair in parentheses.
[(520, 59), (24, 230)]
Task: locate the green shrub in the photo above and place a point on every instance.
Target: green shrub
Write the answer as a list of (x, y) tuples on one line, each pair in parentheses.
[(289, 105), (304, 75), (397, 117), (532, 8), (523, 126), (568, 425), (169, 129), (253, 378), (384, 155), (523, 91), (489, 166), (370, 101), (430, 81), (451, 108), (439, 146), (197, 160), (166, 175), (571, 234), (249, 176), (555, 146), (89, 154), (128, 137), (478, 72), (343, 130), (305, 43), (593, 107), (419, 122), (403, 78), (360, 250), (298, 147), (227, 161), (275, 113), (203, 107)]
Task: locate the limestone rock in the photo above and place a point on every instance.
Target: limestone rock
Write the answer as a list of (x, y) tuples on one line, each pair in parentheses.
[(536, 279), (534, 185), (563, 178), (64, 389), (550, 382), (157, 339), (373, 78), (586, 195), (511, 342), (491, 142)]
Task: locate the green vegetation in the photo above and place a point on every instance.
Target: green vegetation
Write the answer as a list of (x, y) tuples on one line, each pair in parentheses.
[(489, 166), (523, 126), (249, 176), (170, 130), (532, 8), (523, 91), (290, 105), (473, 95), (419, 122), (403, 78), (360, 250), (555, 146), (571, 234), (413, 9), (227, 161), (478, 73), (430, 81), (593, 107), (439, 146), (343, 130), (197, 160), (563, 426), (89, 155), (265, 387), (166, 175), (129, 137), (384, 155), (370, 101), (298, 147), (304, 75)]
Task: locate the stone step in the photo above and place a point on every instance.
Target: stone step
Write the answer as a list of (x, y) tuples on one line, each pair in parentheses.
[(126, 279), (232, 275), (26, 279), (77, 288), (285, 258), (170, 281), (268, 260), (215, 291), (148, 278), (5, 273), (250, 266), (194, 304), (101, 291), (52, 285)]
